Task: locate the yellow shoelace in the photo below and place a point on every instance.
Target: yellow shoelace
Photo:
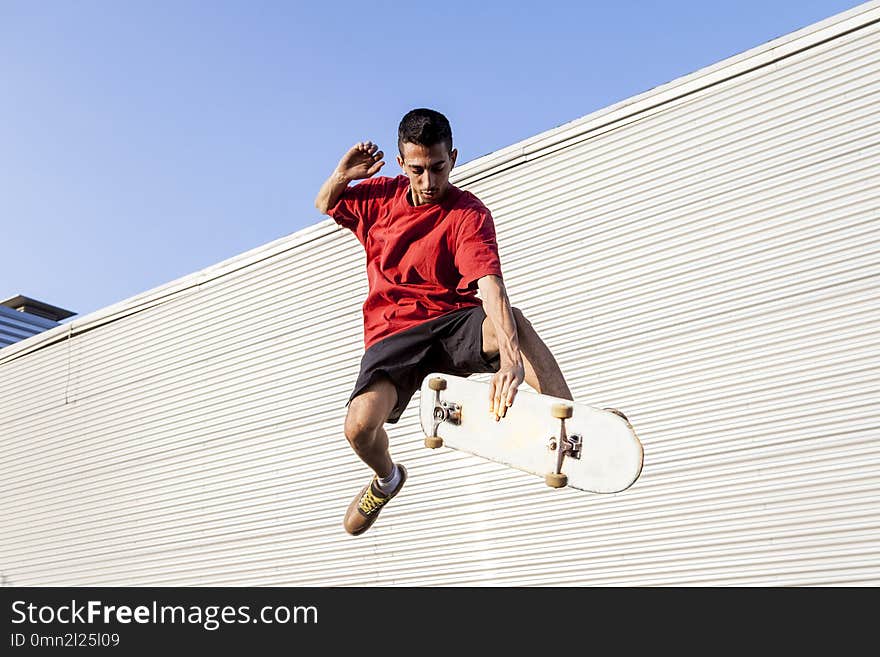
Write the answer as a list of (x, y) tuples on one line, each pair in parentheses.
[(370, 503)]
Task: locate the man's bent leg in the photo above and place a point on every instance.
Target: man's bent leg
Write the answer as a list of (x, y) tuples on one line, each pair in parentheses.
[(364, 430), (542, 372)]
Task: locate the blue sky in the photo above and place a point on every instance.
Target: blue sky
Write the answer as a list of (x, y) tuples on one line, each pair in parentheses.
[(143, 141)]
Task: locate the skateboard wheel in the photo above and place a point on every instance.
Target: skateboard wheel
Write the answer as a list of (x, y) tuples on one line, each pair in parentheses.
[(556, 480), (437, 384), (562, 412), (433, 442)]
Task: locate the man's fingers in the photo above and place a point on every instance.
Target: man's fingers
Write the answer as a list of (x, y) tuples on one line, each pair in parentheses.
[(507, 396), (502, 391), (363, 160), (496, 395), (499, 399), (511, 394)]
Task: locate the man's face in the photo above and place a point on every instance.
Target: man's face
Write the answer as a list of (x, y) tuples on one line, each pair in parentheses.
[(427, 168)]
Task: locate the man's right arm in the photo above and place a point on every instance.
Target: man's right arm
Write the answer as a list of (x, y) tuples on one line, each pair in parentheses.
[(331, 190), (362, 160)]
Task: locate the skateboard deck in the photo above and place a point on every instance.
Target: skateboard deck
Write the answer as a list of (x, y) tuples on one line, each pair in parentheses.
[(565, 442)]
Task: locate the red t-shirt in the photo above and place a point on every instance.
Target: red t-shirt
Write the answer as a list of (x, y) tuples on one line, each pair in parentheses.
[(422, 261)]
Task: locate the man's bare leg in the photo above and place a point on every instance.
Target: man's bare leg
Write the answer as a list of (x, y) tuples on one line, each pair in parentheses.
[(364, 422), (363, 428), (542, 372)]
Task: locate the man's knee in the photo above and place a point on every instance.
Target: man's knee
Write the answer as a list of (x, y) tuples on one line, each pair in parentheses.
[(368, 412), (360, 431)]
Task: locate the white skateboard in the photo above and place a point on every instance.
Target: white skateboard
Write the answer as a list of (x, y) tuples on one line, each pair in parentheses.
[(566, 443)]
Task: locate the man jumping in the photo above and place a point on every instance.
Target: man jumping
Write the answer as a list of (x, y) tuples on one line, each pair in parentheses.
[(430, 249)]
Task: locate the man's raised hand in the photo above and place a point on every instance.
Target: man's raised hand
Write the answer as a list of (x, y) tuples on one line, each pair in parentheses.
[(363, 160)]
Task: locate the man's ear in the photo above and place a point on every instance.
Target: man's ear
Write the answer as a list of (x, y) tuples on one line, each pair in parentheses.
[(400, 162), (452, 155)]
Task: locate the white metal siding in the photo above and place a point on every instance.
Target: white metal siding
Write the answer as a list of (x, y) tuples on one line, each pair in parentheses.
[(704, 256)]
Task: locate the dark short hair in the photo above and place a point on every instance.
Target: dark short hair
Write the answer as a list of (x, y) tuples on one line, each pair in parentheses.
[(425, 127)]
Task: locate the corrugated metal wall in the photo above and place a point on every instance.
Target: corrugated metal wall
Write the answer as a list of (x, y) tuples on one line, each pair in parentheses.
[(703, 256), (16, 325)]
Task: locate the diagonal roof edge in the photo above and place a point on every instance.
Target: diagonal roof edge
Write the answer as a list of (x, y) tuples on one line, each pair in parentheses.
[(608, 118), (168, 291), (485, 166)]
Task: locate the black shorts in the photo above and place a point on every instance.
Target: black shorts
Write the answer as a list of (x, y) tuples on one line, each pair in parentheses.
[(451, 344)]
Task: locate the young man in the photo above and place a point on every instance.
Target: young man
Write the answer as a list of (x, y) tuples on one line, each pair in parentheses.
[(430, 248)]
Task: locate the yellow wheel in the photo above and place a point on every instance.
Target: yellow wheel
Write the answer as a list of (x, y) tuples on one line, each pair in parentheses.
[(562, 412), (556, 480), (433, 442), (437, 384)]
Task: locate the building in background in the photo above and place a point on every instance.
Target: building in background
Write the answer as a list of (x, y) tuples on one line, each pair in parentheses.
[(21, 317), (703, 256)]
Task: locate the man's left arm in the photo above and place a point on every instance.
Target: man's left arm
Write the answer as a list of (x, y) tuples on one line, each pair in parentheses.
[(511, 373)]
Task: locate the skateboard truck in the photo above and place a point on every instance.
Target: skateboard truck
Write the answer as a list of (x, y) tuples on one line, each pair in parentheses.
[(565, 445), (443, 412)]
